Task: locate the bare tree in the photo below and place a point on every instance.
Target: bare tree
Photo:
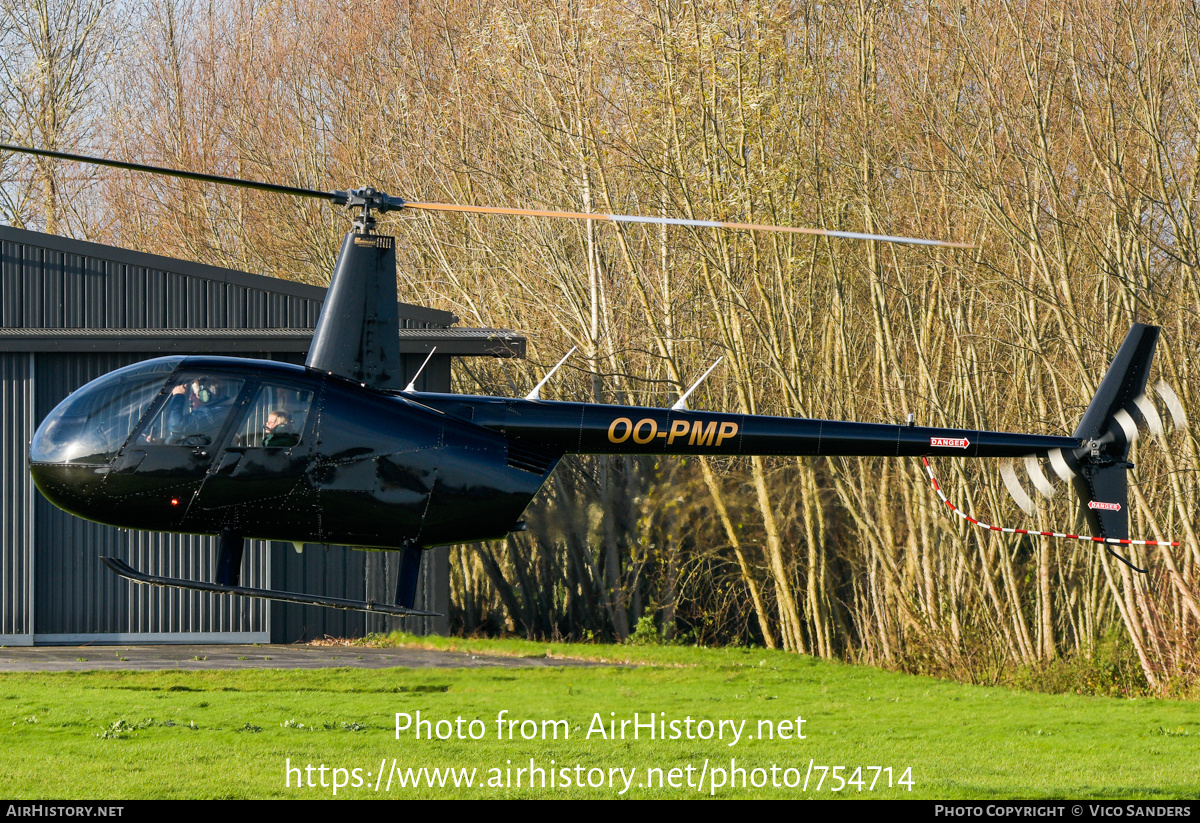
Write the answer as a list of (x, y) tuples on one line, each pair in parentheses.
[(1060, 140), (52, 54)]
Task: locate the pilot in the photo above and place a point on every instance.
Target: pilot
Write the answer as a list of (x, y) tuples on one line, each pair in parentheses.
[(196, 410), (198, 395), (278, 430)]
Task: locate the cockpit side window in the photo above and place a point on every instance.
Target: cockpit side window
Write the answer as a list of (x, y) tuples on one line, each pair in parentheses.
[(275, 419), (92, 424), (195, 411)]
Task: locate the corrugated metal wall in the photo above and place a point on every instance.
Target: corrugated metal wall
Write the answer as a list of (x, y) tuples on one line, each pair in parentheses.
[(358, 575), (54, 289), (53, 557), (16, 499)]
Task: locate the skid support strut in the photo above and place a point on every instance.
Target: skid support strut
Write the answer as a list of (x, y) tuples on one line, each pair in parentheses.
[(230, 547), (406, 580)]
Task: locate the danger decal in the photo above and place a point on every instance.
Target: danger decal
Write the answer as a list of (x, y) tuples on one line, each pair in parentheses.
[(950, 442), (1110, 507)]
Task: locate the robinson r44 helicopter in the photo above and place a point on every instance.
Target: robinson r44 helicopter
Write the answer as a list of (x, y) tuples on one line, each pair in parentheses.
[(340, 451)]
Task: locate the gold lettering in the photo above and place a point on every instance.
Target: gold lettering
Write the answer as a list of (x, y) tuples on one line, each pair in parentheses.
[(701, 435), (678, 429), (728, 430), (653, 430), (612, 430)]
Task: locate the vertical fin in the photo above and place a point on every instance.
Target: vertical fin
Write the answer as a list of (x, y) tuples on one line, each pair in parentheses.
[(1109, 431), (1124, 381), (1104, 495), (358, 335)]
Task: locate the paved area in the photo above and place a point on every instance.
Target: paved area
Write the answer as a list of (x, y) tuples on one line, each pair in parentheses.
[(196, 658)]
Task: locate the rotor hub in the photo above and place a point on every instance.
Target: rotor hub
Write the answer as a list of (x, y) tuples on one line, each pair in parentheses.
[(367, 199)]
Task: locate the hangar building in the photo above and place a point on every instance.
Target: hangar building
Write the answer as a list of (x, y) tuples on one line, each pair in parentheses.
[(71, 311)]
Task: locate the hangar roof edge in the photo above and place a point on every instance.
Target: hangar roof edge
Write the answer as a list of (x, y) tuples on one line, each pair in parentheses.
[(275, 285)]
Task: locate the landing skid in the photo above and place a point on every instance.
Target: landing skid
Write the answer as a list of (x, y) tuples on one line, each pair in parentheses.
[(129, 573)]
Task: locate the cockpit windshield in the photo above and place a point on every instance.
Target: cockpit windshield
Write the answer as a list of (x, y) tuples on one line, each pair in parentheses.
[(92, 423), (195, 411)]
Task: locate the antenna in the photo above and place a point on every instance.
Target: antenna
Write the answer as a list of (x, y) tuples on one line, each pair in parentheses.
[(681, 403), (412, 384), (536, 393)]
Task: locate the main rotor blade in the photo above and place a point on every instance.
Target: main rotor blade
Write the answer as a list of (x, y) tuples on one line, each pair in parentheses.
[(383, 202), (678, 221), (186, 175)]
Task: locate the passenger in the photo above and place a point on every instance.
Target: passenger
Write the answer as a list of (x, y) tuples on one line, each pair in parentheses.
[(278, 430)]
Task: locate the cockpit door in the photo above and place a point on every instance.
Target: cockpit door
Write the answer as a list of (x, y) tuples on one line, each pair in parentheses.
[(161, 468), (256, 487)]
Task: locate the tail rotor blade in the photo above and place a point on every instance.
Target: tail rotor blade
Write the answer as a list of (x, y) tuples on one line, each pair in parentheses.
[(1033, 467), (1150, 415), (1061, 467), (1128, 426), (1013, 484), (1178, 416)]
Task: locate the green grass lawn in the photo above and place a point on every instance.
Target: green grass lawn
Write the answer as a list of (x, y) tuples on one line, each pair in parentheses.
[(233, 734)]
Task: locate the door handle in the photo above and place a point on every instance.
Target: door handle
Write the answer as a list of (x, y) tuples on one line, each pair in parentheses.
[(228, 463), (130, 461)]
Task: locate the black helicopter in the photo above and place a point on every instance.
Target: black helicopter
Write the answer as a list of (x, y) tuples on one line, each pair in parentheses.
[(340, 451)]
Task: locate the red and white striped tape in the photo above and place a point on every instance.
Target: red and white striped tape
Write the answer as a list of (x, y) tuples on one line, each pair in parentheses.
[(1113, 540)]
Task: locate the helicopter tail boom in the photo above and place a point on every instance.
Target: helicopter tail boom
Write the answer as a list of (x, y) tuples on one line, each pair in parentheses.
[(586, 428), (1094, 459)]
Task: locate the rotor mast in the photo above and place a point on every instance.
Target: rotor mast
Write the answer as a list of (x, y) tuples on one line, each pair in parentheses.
[(367, 200)]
